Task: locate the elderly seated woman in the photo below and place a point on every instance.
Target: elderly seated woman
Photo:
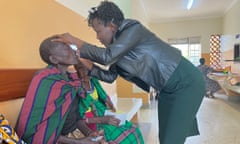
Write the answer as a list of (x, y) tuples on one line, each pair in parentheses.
[(49, 112)]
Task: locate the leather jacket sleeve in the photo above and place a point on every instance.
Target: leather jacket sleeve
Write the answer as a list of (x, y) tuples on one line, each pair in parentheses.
[(104, 75)]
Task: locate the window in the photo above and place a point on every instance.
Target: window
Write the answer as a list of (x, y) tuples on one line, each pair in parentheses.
[(190, 48)]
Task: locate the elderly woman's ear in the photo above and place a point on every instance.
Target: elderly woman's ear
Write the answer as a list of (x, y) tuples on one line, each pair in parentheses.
[(53, 59)]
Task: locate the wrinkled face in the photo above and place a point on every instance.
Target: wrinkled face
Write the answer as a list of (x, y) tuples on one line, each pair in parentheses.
[(104, 33), (63, 55)]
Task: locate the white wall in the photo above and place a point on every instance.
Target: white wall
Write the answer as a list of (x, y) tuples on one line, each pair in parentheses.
[(231, 21), (180, 29)]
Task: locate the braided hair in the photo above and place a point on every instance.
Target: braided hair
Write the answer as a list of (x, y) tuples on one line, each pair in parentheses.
[(106, 12)]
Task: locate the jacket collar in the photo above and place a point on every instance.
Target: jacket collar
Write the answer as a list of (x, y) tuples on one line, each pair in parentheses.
[(125, 24)]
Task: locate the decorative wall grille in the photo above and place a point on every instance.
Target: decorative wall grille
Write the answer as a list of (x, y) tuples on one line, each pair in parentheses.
[(215, 53)]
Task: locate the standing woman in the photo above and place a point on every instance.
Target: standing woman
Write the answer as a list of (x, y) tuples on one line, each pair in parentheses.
[(139, 56)]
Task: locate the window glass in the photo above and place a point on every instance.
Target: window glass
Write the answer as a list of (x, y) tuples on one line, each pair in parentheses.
[(190, 48)]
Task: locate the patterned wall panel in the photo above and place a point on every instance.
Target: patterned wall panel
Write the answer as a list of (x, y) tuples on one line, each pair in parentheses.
[(215, 53)]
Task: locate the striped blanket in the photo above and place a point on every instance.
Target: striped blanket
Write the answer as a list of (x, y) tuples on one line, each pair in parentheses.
[(46, 106)]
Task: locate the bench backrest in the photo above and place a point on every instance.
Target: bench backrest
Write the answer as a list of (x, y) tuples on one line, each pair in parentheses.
[(14, 83), (13, 87)]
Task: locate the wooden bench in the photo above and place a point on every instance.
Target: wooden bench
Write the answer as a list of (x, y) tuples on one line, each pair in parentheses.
[(228, 84), (232, 87), (13, 87)]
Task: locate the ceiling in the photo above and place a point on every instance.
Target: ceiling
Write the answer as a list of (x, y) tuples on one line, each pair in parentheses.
[(164, 10)]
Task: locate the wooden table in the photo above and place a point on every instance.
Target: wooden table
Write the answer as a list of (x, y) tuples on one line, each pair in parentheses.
[(226, 82), (232, 86)]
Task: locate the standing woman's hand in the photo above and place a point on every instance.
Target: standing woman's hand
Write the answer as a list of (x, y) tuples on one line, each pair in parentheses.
[(69, 39)]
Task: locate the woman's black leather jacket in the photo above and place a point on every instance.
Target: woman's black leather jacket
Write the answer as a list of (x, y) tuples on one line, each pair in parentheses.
[(137, 55)]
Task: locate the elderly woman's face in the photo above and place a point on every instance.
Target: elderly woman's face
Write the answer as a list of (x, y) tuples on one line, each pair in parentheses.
[(64, 55), (104, 33)]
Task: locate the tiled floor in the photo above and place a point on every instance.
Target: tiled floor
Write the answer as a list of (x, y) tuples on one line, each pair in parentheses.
[(219, 122)]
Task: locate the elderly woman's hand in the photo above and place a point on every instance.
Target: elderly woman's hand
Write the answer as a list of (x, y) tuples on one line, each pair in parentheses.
[(110, 105), (109, 119), (85, 140)]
